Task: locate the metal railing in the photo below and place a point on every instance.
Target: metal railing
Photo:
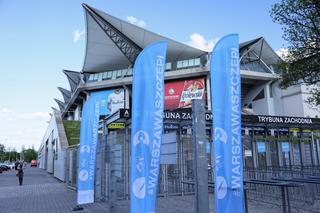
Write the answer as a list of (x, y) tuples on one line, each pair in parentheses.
[(72, 166), (292, 188)]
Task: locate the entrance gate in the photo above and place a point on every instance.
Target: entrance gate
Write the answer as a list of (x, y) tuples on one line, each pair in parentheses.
[(267, 155), (176, 165)]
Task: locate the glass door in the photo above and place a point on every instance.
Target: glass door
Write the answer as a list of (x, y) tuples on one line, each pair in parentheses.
[(247, 152), (295, 149), (261, 153), (307, 152), (285, 153), (274, 153)]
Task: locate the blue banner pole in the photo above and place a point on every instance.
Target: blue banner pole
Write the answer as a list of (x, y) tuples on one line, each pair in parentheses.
[(226, 112), (87, 151), (147, 126), (99, 103)]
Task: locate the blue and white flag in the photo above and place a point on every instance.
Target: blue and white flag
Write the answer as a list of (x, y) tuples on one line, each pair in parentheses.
[(226, 111), (147, 126), (88, 141)]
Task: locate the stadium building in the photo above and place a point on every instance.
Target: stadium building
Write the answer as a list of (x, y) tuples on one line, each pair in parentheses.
[(279, 129)]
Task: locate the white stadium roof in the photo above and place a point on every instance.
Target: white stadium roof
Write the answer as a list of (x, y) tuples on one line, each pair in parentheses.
[(102, 54)]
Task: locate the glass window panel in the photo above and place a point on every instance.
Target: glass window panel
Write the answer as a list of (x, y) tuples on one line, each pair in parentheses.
[(105, 75), (168, 66), (109, 76), (95, 77), (129, 73), (114, 74), (185, 63), (91, 77), (179, 64), (191, 62), (100, 76), (119, 73), (124, 72), (197, 62)]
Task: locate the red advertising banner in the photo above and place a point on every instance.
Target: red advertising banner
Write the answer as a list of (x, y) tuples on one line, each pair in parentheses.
[(179, 94)]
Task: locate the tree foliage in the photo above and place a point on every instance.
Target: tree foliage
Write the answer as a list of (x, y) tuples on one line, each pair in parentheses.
[(8, 154), (300, 20), (12, 155), (2, 152), (30, 154)]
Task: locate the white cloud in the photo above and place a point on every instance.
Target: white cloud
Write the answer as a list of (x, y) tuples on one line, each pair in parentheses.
[(282, 52), (22, 128), (136, 21), (77, 35), (198, 41), (10, 115)]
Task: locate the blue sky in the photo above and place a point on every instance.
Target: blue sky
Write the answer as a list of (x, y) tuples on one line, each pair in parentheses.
[(37, 41)]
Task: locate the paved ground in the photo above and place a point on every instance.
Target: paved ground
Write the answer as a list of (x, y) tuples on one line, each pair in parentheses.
[(41, 193)]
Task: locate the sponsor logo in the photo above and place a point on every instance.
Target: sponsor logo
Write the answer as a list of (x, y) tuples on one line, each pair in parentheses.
[(139, 187), (220, 135), (126, 114), (141, 137), (116, 125), (85, 148), (222, 187), (171, 91), (83, 175), (193, 89)]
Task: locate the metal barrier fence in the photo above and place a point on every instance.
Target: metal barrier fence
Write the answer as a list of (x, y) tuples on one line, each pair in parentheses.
[(289, 188), (71, 166), (170, 175), (305, 194), (292, 171)]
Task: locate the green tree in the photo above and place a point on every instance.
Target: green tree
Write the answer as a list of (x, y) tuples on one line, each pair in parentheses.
[(30, 154), (2, 152), (300, 20), (11, 155)]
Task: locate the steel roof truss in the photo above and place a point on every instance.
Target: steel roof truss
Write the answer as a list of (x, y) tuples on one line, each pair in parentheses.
[(130, 49)]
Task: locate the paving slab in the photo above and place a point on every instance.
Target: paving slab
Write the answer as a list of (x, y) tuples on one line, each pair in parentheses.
[(42, 193)]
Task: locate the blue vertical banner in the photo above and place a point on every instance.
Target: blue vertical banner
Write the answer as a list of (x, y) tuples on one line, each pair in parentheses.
[(91, 111), (147, 126), (226, 112)]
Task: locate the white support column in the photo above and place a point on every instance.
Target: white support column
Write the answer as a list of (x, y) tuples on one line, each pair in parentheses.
[(208, 85), (127, 98)]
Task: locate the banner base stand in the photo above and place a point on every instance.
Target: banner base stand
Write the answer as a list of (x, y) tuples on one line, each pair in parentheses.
[(77, 208)]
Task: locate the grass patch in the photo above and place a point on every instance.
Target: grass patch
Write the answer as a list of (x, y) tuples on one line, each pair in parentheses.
[(72, 129)]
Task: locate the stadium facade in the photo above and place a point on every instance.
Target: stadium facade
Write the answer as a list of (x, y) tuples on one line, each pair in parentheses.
[(279, 128)]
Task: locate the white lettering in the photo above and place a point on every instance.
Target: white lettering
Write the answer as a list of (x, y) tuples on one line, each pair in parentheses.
[(235, 120)]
